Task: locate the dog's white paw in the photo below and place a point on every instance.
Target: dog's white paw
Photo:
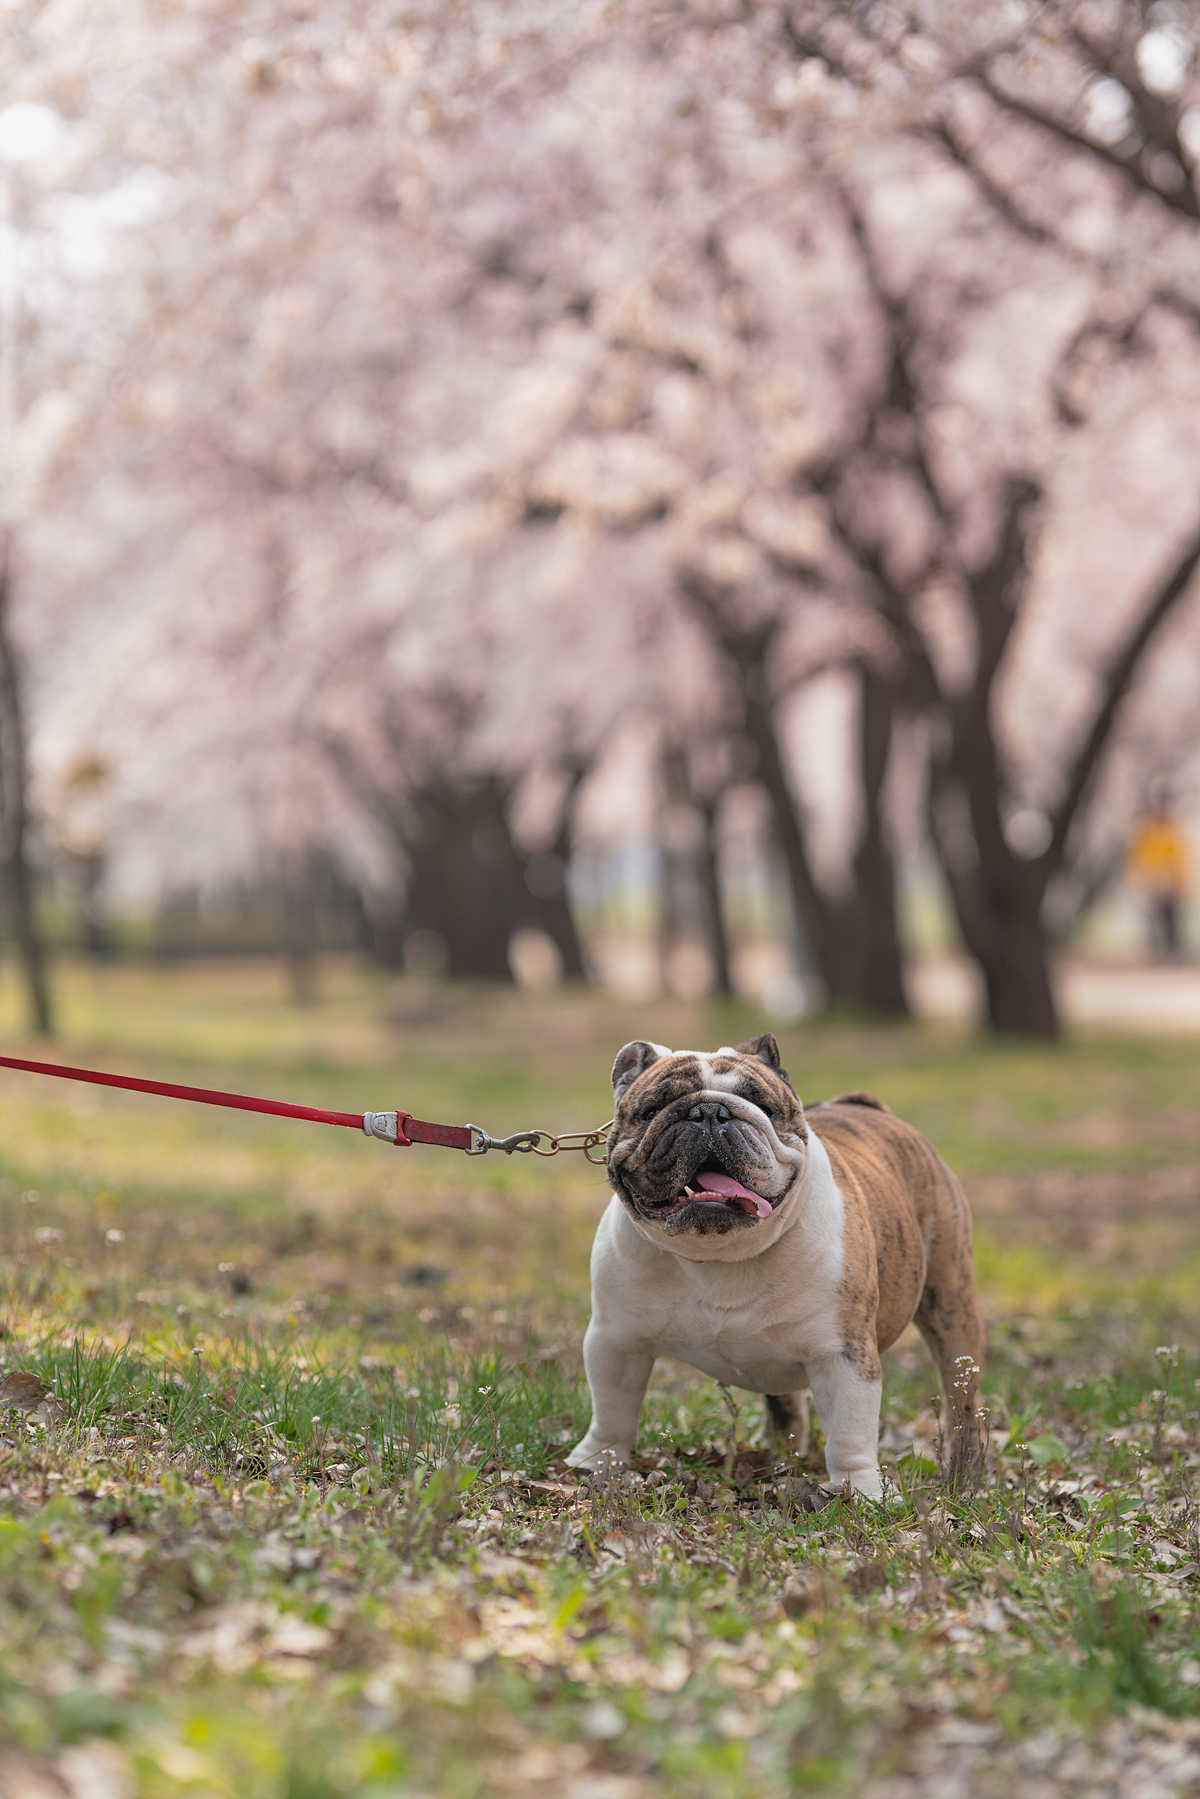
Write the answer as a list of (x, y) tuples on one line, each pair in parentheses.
[(889, 1497), (595, 1461), (866, 1482)]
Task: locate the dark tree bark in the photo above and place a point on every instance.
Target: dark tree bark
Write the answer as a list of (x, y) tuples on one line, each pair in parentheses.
[(876, 936), (999, 895), (545, 876), (469, 882), (691, 874), (853, 939), (14, 821), (998, 900), (678, 890), (714, 908), (467, 878), (823, 920)]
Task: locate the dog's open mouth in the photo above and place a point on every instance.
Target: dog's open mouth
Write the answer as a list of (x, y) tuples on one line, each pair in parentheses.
[(711, 1186)]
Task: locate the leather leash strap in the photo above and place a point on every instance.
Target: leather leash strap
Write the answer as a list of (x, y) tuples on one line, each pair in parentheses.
[(409, 1129), (415, 1130)]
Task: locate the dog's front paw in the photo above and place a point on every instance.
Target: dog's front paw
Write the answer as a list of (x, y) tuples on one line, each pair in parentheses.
[(605, 1459), (865, 1481)]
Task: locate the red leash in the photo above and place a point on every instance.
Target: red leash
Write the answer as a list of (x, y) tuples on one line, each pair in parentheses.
[(400, 1128)]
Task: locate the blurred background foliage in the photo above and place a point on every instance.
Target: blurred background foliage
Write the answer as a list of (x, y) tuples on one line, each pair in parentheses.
[(689, 497)]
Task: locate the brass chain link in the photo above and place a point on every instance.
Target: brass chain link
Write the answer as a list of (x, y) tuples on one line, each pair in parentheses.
[(587, 1141), (524, 1143)]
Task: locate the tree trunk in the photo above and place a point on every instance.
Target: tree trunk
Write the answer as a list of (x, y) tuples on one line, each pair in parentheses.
[(855, 942), (550, 906), (1012, 950), (690, 885), (998, 900), (467, 883), (475, 888), (825, 924), (997, 894), (1020, 999), (556, 916), (14, 823), (877, 938), (710, 879)]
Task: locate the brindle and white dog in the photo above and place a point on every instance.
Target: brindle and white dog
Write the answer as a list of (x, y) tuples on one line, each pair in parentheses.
[(776, 1253)]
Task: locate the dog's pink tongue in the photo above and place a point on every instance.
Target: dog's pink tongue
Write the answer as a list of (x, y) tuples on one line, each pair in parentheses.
[(726, 1187)]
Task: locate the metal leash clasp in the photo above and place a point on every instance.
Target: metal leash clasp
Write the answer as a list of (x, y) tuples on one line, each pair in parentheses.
[(390, 1128), (531, 1141), (520, 1143), (524, 1143)]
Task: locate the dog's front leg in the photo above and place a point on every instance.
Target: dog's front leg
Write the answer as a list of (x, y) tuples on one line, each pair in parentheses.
[(847, 1392), (618, 1373)]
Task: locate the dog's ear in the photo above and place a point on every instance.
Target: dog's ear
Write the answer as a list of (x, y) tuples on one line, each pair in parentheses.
[(765, 1049), (630, 1063)]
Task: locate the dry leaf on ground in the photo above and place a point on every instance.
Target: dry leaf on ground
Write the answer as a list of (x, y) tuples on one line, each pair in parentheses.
[(25, 1393)]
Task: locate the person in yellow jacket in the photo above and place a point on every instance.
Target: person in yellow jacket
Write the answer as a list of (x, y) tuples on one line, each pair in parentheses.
[(1160, 863)]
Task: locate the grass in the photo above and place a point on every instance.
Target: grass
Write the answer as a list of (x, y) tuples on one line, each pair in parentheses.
[(297, 1525)]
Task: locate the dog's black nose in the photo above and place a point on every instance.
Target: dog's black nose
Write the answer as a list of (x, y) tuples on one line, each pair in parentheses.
[(709, 1109)]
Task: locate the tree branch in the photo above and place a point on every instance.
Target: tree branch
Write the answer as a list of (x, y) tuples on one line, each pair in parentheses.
[(1182, 200), (993, 193), (992, 586), (748, 651), (903, 387), (962, 881), (1117, 683), (1158, 118)]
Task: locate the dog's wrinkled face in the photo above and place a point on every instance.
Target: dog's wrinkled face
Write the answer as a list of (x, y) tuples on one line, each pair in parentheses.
[(704, 1144)]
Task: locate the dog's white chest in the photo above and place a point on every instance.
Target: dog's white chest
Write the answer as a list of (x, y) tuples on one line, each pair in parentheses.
[(739, 1360), (761, 1341), (753, 1323)]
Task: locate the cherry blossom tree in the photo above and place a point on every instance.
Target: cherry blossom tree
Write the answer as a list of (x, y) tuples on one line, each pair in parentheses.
[(432, 395), (1076, 145)]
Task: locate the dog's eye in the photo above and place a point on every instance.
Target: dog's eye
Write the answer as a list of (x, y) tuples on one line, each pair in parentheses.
[(646, 1114)]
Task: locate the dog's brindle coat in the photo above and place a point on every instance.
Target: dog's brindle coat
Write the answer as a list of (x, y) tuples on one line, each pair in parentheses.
[(831, 1235)]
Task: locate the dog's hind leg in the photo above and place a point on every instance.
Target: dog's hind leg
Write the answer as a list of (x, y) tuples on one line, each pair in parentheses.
[(954, 1338), (786, 1422), (950, 1319)]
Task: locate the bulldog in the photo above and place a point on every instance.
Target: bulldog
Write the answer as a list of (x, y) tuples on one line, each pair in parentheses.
[(777, 1252)]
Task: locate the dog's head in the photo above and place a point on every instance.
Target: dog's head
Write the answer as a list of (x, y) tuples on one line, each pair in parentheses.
[(706, 1146)]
